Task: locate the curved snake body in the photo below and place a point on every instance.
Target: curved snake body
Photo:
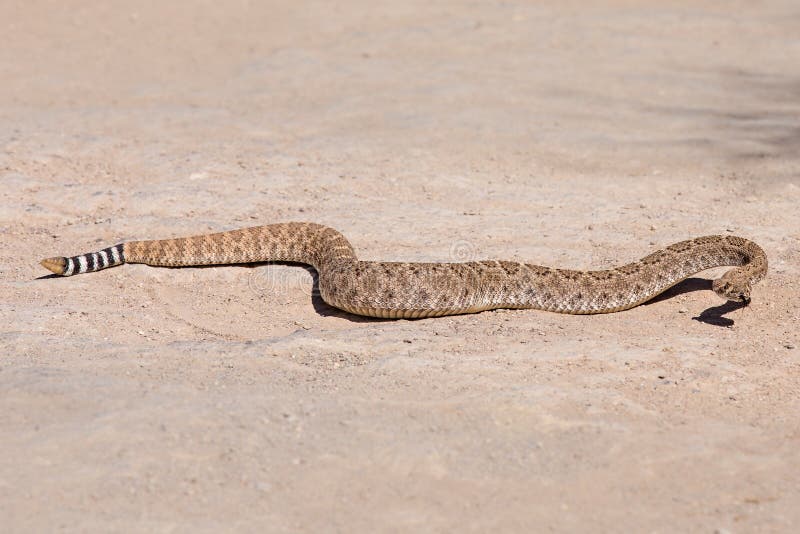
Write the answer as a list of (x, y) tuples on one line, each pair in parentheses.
[(410, 290)]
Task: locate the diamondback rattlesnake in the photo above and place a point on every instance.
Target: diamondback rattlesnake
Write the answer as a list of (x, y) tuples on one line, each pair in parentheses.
[(408, 290)]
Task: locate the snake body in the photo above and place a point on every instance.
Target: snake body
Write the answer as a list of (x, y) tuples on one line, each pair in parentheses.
[(410, 290)]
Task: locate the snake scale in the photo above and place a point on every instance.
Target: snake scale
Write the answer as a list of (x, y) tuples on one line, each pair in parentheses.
[(410, 290)]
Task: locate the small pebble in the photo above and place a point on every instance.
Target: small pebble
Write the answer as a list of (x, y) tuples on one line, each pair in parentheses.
[(683, 310), (789, 346)]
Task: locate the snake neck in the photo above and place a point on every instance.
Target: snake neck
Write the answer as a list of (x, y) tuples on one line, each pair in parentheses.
[(627, 286)]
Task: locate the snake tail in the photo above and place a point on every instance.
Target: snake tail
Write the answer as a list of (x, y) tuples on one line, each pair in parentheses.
[(86, 263)]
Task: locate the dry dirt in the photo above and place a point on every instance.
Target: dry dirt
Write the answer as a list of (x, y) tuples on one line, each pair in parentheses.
[(573, 134)]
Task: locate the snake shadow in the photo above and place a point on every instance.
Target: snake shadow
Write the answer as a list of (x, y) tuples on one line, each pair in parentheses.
[(713, 316)]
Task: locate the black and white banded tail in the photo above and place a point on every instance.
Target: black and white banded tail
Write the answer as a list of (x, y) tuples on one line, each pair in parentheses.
[(86, 263)]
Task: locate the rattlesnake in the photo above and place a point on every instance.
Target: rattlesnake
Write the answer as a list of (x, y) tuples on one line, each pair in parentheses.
[(409, 290)]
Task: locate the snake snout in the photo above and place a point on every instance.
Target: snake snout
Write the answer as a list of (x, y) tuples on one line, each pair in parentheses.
[(732, 291)]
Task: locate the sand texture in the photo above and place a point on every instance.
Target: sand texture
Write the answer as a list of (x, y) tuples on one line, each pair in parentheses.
[(569, 134)]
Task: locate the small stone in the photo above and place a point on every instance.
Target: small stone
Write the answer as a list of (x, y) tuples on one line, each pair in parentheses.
[(789, 346), (683, 310)]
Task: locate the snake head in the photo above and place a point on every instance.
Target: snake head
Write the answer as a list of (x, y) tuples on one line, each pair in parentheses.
[(731, 288)]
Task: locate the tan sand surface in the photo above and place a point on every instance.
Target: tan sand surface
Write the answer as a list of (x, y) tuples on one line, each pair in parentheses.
[(573, 134)]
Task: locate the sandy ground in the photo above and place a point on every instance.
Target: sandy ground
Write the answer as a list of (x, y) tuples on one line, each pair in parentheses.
[(574, 134)]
